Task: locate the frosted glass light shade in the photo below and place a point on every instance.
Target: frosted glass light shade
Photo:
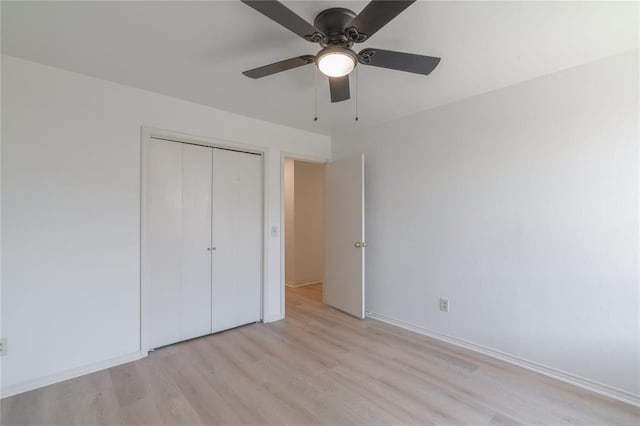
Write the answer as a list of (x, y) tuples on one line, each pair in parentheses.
[(336, 63)]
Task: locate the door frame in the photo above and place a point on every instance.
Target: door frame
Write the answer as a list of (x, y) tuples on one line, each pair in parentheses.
[(150, 132), (285, 155)]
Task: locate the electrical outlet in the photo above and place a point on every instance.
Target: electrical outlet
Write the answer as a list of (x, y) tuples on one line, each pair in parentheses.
[(3, 346), (444, 305)]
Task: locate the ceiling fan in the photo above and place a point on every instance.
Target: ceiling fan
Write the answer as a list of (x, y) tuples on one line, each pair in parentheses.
[(336, 30)]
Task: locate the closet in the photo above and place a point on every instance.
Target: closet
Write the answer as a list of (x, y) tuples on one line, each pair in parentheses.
[(203, 239)]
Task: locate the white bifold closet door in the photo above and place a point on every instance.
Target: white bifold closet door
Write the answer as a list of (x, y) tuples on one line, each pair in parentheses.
[(203, 240), (237, 238), (196, 239), (164, 241), (179, 233)]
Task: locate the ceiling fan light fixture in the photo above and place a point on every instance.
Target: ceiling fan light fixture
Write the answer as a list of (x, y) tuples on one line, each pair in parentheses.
[(336, 61), (336, 30)]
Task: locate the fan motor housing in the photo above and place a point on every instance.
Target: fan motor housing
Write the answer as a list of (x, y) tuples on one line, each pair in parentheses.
[(333, 22)]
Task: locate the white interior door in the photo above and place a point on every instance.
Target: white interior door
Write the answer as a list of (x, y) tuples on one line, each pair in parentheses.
[(344, 283), (237, 238), (164, 240), (196, 241), (249, 288), (178, 232), (225, 229), (203, 240)]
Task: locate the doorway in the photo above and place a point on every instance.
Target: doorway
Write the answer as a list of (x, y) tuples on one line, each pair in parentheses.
[(304, 223)]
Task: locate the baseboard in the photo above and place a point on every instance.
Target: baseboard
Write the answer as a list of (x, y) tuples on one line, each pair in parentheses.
[(11, 390), (563, 376), (302, 284)]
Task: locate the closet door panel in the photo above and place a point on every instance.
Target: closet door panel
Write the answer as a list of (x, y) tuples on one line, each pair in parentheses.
[(225, 231), (163, 249), (249, 238), (196, 241)]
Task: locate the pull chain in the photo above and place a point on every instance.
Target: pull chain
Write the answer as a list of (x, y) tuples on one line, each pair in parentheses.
[(315, 95), (357, 83)]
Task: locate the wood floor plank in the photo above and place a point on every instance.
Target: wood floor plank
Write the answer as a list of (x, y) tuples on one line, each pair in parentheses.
[(127, 384), (29, 408), (93, 408), (319, 366)]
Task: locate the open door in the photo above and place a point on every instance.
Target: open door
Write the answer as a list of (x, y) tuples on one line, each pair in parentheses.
[(344, 236)]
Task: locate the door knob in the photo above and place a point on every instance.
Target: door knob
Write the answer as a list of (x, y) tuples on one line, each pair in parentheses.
[(357, 245), (210, 248)]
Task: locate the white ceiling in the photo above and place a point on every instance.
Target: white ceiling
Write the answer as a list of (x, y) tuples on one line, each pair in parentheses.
[(197, 51)]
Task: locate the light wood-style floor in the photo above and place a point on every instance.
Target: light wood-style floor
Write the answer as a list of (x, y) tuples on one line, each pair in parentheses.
[(318, 366)]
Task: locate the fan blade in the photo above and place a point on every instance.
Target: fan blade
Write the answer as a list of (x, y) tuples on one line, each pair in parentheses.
[(400, 61), (276, 67), (374, 16), (339, 88), (284, 16)]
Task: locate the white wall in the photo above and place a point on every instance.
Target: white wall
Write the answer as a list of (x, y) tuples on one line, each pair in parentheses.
[(71, 213), (521, 207), (309, 222), (304, 222)]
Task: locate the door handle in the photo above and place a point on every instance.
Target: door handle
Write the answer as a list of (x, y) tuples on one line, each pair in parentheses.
[(359, 244), (210, 248)]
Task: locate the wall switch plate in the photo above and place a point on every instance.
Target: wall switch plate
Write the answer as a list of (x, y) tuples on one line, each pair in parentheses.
[(274, 231), (444, 305)]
